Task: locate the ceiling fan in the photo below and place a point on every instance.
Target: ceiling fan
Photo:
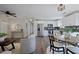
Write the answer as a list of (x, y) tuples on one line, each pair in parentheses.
[(9, 13)]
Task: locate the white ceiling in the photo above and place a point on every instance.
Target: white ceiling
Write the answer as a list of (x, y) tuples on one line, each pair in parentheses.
[(42, 11)]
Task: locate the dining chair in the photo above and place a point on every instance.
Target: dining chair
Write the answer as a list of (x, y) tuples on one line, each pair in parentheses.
[(51, 40), (77, 38), (74, 40), (57, 47)]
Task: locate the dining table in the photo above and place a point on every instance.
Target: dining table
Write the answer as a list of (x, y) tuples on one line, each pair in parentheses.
[(67, 41)]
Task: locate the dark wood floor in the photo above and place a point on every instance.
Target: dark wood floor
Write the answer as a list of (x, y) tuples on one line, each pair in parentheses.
[(41, 45)]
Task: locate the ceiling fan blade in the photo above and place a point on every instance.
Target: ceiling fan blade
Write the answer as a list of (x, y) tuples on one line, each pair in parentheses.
[(8, 13), (15, 16), (13, 13)]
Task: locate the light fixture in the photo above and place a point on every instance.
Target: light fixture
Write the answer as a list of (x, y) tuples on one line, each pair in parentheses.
[(60, 7)]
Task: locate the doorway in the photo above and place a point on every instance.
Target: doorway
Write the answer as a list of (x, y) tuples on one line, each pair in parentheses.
[(39, 29)]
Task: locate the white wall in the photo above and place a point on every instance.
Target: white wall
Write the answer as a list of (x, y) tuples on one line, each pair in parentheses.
[(3, 23), (3, 27), (71, 20), (24, 23), (77, 19)]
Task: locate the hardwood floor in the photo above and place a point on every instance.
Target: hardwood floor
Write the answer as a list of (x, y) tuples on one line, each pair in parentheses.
[(41, 45)]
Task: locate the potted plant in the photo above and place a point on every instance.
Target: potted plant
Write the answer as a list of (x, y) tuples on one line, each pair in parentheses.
[(3, 36)]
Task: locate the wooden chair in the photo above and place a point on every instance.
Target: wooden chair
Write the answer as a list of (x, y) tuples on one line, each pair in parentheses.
[(51, 40), (55, 46)]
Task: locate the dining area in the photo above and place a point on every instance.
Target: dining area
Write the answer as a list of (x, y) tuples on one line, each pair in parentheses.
[(65, 43)]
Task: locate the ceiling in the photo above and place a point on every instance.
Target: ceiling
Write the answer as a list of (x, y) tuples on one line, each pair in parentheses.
[(38, 11)]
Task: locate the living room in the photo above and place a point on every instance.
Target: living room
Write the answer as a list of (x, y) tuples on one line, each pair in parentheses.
[(28, 28)]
